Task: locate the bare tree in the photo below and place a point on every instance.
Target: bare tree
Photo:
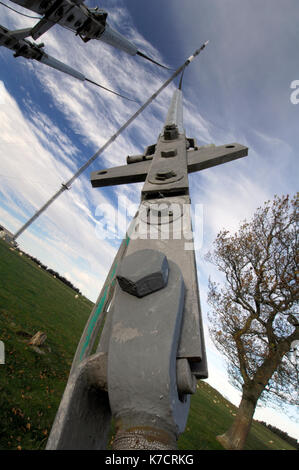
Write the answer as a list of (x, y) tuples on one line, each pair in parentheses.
[(254, 317)]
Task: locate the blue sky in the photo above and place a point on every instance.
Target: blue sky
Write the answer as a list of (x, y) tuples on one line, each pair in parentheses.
[(237, 90)]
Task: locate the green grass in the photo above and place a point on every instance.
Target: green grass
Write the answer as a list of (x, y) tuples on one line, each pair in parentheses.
[(211, 414), (31, 384)]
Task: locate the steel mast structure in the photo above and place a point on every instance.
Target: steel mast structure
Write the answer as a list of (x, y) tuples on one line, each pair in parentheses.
[(74, 15), (15, 41), (151, 350), (67, 185)]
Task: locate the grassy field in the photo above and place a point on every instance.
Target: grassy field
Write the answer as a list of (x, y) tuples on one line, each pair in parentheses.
[(33, 379), (211, 414)]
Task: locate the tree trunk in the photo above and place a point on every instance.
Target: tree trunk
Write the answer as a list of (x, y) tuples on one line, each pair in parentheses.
[(235, 437)]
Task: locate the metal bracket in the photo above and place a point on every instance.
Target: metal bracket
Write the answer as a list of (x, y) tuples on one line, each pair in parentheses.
[(197, 160), (83, 418), (170, 239), (145, 332)]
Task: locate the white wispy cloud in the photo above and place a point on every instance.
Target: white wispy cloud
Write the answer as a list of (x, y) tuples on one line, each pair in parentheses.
[(69, 225)]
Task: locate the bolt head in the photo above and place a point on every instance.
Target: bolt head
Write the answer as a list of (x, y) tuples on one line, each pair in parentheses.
[(165, 175), (143, 272)]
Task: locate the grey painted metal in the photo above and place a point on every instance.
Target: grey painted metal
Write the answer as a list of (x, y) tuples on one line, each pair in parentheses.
[(15, 40), (56, 64), (175, 112), (170, 234), (74, 15), (98, 314), (136, 158), (186, 381), (106, 145), (207, 157), (167, 180), (197, 160), (148, 230), (87, 23), (198, 368), (168, 174), (115, 39), (83, 418), (142, 362), (143, 273), (133, 173)]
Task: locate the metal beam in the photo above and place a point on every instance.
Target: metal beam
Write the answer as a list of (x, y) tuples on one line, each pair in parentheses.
[(207, 157), (125, 174), (201, 159)]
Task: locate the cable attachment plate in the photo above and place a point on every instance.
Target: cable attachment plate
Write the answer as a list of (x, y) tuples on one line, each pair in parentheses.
[(145, 333)]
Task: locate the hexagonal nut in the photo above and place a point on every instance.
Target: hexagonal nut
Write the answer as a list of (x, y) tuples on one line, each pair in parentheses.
[(143, 272)]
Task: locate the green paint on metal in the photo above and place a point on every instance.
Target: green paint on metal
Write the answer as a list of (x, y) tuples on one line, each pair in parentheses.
[(99, 309), (93, 322), (113, 272), (96, 315)]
